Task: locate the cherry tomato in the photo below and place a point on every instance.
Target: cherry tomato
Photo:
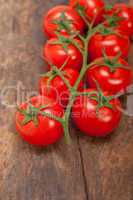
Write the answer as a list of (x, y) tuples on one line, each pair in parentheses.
[(112, 77), (57, 54), (122, 19), (112, 44), (94, 9), (47, 130), (63, 19), (57, 89), (93, 121)]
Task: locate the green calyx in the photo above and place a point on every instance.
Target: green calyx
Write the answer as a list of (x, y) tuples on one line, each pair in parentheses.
[(99, 97), (66, 41), (106, 30), (31, 114), (109, 7), (114, 20), (63, 23), (103, 101), (113, 62), (80, 9)]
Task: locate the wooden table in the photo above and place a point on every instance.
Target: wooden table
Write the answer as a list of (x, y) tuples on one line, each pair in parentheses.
[(89, 169)]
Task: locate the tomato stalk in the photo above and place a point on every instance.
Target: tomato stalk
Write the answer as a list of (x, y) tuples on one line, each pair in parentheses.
[(74, 91), (66, 119), (59, 72)]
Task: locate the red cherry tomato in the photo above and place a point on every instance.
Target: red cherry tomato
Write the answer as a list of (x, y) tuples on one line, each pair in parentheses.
[(122, 19), (63, 19), (48, 131), (113, 78), (57, 89), (57, 54), (93, 122), (112, 44), (94, 9)]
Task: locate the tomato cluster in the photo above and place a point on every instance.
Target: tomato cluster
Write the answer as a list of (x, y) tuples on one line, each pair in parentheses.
[(86, 53)]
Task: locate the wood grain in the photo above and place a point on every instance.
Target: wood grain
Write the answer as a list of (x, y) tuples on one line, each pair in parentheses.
[(88, 169)]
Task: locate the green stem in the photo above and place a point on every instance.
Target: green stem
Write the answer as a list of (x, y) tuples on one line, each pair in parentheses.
[(72, 98), (77, 46), (85, 66), (81, 37), (85, 61), (86, 93), (66, 131), (62, 77), (66, 118), (85, 20)]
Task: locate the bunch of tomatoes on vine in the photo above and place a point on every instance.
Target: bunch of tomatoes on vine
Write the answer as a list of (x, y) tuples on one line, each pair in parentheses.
[(86, 53)]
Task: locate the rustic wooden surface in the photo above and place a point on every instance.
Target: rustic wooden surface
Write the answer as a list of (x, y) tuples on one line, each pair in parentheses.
[(86, 170)]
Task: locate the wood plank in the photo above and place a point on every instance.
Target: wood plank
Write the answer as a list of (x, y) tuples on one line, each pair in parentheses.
[(26, 172), (108, 163)]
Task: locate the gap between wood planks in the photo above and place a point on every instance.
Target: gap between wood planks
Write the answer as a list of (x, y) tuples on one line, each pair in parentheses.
[(83, 169)]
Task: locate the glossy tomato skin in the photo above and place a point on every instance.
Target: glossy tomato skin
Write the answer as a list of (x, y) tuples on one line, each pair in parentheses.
[(57, 89), (125, 25), (112, 44), (112, 82), (95, 124), (48, 130), (57, 55), (94, 9), (77, 24)]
